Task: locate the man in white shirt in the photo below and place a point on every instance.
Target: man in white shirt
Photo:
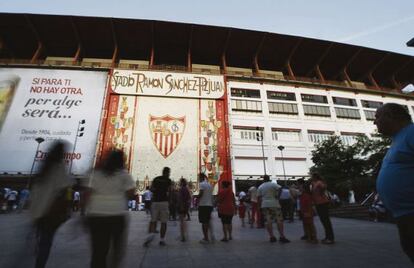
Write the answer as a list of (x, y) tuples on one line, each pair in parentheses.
[(205, 206), (268, 194)]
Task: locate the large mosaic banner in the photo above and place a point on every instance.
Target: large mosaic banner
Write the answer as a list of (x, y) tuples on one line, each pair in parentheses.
[(186, 134)]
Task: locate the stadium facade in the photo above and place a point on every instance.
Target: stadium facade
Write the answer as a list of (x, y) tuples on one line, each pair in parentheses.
[(196, 98)]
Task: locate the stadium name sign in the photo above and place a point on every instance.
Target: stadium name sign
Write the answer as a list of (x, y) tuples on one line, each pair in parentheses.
[(167, 84)]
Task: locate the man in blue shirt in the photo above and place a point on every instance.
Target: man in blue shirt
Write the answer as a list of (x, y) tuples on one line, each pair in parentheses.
[(395, 182)]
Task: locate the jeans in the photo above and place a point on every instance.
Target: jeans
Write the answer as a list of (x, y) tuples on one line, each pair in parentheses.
[(323, 212), (405, 228)]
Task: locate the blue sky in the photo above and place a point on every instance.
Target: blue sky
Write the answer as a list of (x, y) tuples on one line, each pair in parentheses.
[(381, 24)]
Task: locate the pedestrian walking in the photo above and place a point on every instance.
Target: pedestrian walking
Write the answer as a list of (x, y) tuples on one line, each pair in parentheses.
[(110, 185), (50, 205)]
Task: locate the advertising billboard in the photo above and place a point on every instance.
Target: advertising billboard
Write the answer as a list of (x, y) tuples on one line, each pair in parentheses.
[(38, 106)]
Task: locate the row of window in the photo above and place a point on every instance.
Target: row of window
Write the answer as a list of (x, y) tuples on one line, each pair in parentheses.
[(289, 96), (292, 109), (295, 136)]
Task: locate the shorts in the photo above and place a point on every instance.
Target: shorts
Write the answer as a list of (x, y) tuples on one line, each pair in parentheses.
[(225, 219), (273, 213), (204, 214), (159, 212)]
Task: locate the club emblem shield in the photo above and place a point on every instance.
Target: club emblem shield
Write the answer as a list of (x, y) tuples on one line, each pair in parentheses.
[(166, 133)]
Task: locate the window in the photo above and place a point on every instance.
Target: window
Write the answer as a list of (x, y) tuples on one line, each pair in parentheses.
[(369, 115), (246, 134), (349, 139), (286, 135), (347, 113), (246, 106), (344, 101), (245, 93), (277, 95), (317, 110), (314, 98), (282, 108), (316, 137), (371, 104)]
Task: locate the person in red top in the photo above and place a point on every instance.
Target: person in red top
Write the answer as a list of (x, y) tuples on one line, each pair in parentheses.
[(321, 201), (226, 207), (307, 214)]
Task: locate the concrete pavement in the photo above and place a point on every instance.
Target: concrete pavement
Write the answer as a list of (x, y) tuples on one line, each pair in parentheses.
[(359, 244)]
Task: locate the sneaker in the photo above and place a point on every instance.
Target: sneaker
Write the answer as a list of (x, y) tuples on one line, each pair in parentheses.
[(224, 240), (284, 240), (327, 242), (162, 243), (203, 241), (148, 240), (273, 239)]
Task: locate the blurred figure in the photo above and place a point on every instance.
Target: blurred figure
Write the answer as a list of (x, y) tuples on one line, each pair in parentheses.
[(307, 214), (226, 208), (50, 206), (183, 206), (106, 211)]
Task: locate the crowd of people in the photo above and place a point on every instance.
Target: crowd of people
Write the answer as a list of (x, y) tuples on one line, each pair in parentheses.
[(110, 190)]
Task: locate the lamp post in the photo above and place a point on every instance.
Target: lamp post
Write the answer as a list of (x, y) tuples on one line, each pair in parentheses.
[(79, 133), (39, 140), (259, 137), (281, 148)]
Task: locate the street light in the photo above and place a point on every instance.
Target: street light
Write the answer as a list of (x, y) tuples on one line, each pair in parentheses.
[(39, 140), (259, 137), (79, 133), (281, 148)]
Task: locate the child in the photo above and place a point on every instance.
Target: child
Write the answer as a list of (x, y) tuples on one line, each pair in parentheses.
[(242, 207), (307, 214)]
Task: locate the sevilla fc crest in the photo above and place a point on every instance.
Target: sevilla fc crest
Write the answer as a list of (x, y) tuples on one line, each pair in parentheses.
[(166, 132)]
